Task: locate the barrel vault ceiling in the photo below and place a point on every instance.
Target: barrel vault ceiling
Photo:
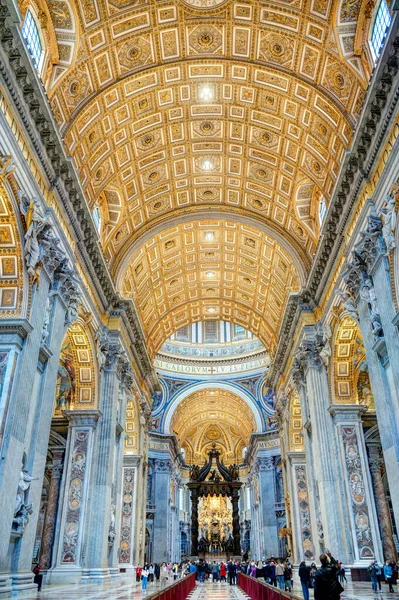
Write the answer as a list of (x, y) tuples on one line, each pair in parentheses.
[(186, 111), (209, 415)]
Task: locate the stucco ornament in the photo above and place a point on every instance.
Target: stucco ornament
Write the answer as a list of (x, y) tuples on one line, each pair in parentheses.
[(349, 304)]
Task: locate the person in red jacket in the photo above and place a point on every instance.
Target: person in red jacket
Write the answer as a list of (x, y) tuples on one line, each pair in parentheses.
[(138, 573), (223, 572)]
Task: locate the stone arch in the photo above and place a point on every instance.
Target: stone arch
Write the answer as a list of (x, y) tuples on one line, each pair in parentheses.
[(77, 382), (350, 30), (307, 200), (59, 30), (14, 285), (190, 389)]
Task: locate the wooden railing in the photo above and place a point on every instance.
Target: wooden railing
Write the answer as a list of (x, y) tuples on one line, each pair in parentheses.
[(177, 591), (259, 590)]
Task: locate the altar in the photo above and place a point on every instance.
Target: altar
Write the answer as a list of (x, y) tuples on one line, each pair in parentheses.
[(215, 522)]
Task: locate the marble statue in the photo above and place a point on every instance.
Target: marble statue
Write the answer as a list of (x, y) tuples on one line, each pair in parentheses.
[(325, 351), (22, 509), (367, 293), (46, 322), (35, 219), (349, 304), (389, 217), (112, 531)]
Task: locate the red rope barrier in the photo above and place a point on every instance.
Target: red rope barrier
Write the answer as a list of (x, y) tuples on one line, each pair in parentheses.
[(178, 591), (258, 590)]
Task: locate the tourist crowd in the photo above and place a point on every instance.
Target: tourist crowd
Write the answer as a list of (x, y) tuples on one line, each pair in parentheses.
[(327, 580)]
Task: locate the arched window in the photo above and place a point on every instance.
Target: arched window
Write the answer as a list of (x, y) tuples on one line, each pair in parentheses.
[(97, 217), (30, 32), (322, 210), (381, 23)]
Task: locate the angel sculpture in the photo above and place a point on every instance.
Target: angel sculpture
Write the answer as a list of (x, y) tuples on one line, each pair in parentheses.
[(389, 218)]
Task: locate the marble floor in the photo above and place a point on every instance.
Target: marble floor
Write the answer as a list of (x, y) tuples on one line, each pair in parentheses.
[(206, 591)]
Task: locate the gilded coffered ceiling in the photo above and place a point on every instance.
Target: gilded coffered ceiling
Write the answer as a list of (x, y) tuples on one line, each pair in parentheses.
[(180, 110), (210, 269), (209, 416)]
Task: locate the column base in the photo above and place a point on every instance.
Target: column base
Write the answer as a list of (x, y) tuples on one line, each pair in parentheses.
[(5, 585), (96, 575), (68, 575), (114, 572), (127, 571), (22, 584)]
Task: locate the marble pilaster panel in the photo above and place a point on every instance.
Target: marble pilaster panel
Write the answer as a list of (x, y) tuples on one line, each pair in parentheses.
[(76, 480), (300, 504), (360, 501)]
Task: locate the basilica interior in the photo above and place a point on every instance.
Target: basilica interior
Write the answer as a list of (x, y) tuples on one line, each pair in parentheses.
[(199, 285)]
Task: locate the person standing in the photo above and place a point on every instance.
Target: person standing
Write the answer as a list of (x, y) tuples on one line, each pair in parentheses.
[(164, 575), (287, 577), (231, 569), (223, 572), (144, 578), (304, 576), (253, 570), (273, 575), (388, 574), (379, 574), (151, 573), (215, 571), (280, 575), (138, 573), (157, 571), (327, 586), (372, 569), (341, 573)]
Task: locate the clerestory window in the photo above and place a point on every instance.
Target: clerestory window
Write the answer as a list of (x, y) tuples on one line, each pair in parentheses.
[(380, 27), (31, 35)]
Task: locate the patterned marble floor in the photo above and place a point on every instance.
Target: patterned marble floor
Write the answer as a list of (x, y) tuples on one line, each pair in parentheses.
[(206, 591)]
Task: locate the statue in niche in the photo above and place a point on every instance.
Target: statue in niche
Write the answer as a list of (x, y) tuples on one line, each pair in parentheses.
[(389, 217), (22, 508), (46, 322)]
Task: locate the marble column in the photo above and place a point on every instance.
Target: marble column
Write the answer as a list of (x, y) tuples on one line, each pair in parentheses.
[(102, 512), (39, 424), (162, 515), (235, 497), (69, 546), (376, 461), (194, 522), (269, 545), (51, 512), (332, 521), (352, 458), (369, 283)]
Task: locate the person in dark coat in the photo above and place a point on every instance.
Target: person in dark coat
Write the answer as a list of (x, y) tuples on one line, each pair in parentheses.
[(231, 570), (304, 576), (327, 586), (273, 576)]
